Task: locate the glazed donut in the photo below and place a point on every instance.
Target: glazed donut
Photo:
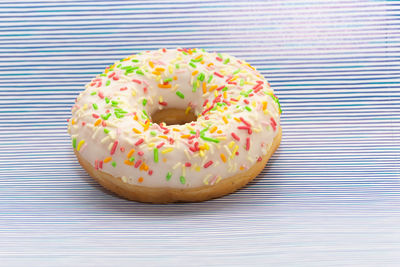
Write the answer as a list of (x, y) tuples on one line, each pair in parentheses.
[(175, 125)]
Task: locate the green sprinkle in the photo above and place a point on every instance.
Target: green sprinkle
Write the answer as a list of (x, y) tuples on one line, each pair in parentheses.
[(183, 52), (74, 143), (192, 65), (156, 155), (180, 94), (168, 80), (108, 83), (227, 61), (205, 138), (197, 60), (248, 108), (192, 132), (105, 117), (203, 50), (107, 100), (182, 179), (114, 164), (103, 75), (118, 115), (139, 72), (132, 159), (275, 99), (201, 77), (135, 60), (144, 102), (210, 78), (236, 71), (95, 106), (119, 110), (241, 82), (106, 130), (93, 93), (219, 55), (153, 133), (194, 89), (169, 175), (114, 103), (204, 130), (119, 65), (177, 65), (224, 89)]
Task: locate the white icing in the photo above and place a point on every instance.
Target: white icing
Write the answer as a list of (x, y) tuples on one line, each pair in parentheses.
[(125, 90)]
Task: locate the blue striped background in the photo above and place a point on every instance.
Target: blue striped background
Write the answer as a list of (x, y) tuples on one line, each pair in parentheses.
[(329, 197)]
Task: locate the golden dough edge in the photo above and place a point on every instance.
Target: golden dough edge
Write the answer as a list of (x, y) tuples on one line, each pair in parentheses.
[(169, 195)]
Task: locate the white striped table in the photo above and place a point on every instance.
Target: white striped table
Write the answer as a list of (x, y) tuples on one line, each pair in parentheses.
[(329, 197)]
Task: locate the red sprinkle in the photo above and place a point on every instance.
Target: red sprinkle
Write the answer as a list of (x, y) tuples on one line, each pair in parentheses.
[(145, 90), (140, 153), (124, 88), (164, 50), (111, 75), (137, 164), (247, 143), (104, 123), (219, 75), (160, 145), (83, 123), (235, 136), (259, 159), (95, 116), (96, 164), (100, 94), (163, 103), (246, 101), (137, 81), (114, 147), (220, 88), (205, 102), (140, 141), (208, 164), (150, 172), (245, 122), (122, 149), (101, 164), (218, 58), (188, 164)]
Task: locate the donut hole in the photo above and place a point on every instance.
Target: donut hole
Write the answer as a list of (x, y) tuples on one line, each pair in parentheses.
[(173, 116)]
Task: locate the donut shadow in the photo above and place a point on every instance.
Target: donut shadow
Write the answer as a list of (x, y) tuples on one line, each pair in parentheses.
[(255, 194)]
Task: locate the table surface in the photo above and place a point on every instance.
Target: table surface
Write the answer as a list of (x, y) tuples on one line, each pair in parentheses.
[(329, 196)]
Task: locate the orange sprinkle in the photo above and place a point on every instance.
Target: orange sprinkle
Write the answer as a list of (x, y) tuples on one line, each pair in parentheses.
[(202, 62), (204, 88), (108, 159), (265, 103), (142, 166), (136, 131), (146, 168), (176, 130), (160, 69), (236, 119), (156, 73), (195, 72), (163, 136), (164, 159), (223, 157), (225, 119), (212, 88), (97, 122), (219, 131), (140, 180), (225, 95), (241, 168), (164, 85), (175, 78), (210, 64), (127, 162), (151, 64), (135, 117), (185, 136), (213, 129), (146, 126), (72, 121), (130, 153), (199, 56)]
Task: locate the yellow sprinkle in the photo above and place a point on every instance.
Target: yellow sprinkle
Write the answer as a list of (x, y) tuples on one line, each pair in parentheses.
[(221, 137), (80, 145), (231, 144), (151, 64), (130, 153), (197, 168), (163, 136), (97, 122), (218, 179), (190, 127), (201, 153), (213, 129), (161, 99), (175, 87), (108, 159), (133, 93), (215, 93), (236, 119), (225, 119), (85, 107), (195, 72), (187, 110), (199, 56), (156, 73), (151, 145), (167, 150), (234, 151), (136, 131), (170, 69), (225, 95), (234, 78), (223, 157), (254, 103), (73, 122), (176, 130), (141, 123)]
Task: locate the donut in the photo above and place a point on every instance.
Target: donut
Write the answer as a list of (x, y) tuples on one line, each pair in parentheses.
[(175, 125)]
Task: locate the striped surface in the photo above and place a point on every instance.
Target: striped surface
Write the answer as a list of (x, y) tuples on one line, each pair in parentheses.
[(329, 197)]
